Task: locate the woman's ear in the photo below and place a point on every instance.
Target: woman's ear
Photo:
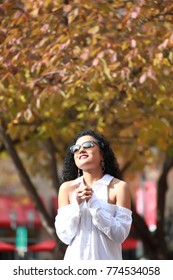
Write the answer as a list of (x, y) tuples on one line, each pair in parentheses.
[(102, 163)]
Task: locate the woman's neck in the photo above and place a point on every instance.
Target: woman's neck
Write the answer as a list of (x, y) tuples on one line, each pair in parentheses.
[(91, 178)]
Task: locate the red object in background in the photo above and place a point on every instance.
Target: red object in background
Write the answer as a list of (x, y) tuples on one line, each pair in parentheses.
[(4, 246), (18, 210), (130, 244), (146, 200), (47, 245)]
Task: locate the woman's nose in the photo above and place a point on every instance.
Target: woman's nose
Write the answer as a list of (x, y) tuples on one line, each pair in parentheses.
[(81, 149)]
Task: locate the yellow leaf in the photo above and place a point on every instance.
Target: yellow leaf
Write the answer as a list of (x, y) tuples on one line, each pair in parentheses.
[(106, 69), (94, 30), (28, 115)]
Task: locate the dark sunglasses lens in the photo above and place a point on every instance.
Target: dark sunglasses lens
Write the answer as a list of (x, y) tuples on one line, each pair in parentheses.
[(85, 145), (88, 144), (74, 149)]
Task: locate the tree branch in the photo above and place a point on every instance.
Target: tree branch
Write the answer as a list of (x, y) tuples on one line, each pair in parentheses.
[(53, 164), (47, 221)]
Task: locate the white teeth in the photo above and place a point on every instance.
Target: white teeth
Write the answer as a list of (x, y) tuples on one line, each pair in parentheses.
[(84, 156)]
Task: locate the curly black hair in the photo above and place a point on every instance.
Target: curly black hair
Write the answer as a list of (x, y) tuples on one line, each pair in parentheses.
[(70, 170)]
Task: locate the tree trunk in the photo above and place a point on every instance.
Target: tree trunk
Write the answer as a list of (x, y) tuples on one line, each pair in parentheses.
[(47, 221), (143, 233), (53, 164), (154, 243), (162, 189)]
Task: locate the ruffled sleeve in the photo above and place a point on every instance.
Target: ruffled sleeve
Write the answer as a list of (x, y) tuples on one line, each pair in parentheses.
[(116, 226), (67, 220)]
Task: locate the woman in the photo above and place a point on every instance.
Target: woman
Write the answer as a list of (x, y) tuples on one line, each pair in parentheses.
[(94, 215)]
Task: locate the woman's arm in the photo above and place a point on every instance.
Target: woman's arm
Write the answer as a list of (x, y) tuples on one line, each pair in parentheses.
[(67, 219), (123, 197), (63, 196)]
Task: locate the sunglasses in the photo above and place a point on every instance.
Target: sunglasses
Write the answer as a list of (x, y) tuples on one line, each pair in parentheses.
[(86, 145)]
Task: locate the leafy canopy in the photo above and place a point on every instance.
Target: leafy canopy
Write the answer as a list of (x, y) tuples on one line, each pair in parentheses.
[(105, 65)]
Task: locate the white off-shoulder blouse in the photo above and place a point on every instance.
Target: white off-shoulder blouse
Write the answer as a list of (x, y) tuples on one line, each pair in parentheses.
[(93, 230)]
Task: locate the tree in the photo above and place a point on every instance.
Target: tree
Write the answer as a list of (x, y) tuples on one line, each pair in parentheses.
[(104, 65)]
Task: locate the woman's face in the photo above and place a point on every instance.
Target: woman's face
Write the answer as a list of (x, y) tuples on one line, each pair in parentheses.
[(88, 155)]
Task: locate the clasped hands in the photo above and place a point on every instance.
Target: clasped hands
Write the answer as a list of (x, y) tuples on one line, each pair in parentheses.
[(84, 193)]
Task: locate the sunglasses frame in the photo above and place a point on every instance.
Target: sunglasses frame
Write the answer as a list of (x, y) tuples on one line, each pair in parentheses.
[(79, 146)]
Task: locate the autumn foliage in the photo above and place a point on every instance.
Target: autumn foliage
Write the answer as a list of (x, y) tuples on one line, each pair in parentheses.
[(105, 65)]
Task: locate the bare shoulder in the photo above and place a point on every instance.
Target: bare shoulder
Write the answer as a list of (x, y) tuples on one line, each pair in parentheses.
[(122, 191), (66, 186), (65, 192), (118, 184)]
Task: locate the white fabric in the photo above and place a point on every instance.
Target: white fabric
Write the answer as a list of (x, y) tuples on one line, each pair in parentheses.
[(94, 230)]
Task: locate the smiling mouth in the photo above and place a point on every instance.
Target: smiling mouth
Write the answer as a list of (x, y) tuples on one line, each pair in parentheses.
[(83, 156)]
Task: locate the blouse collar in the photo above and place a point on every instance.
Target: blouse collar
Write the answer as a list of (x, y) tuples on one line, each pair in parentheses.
[(105, 180)]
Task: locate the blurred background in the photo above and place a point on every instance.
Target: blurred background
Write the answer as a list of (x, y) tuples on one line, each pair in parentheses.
[(67, 66)]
